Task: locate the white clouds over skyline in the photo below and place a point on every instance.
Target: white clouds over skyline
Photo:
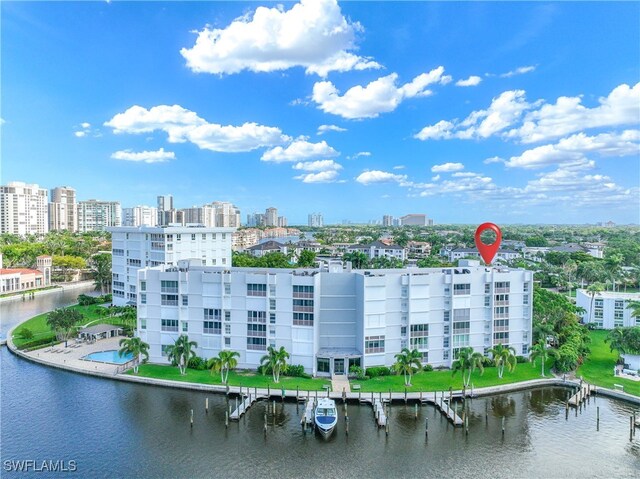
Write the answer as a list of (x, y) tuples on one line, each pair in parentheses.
[(312, 34), (447, 167), (299, 150), (380, 96), (473, 80), (376, 176)]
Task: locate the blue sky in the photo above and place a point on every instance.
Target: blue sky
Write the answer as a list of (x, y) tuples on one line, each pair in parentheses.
[(468, 112)]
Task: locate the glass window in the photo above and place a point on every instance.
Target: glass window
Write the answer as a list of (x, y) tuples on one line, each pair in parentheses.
[(459, 289), (143, 298), (169, 325), (143, 324), (185, 300), (323, 365)]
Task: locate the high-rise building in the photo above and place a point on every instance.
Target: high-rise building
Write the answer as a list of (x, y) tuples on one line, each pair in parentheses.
[(166, 211), (140, 216), (63, 210), (96, 215), (135, 248), (332, 318), (227, 215), (271, 217), (282, 222), (387, 220), (23, 209), (415, 220), (315, 220)]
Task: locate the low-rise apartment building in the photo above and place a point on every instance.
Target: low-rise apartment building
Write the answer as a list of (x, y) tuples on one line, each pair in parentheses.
[(609, 309)]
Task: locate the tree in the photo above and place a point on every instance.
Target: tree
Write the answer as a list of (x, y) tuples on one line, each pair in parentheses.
[(181, 352), (101, 269), (66, 263), (225, 361), (503, 356), (63, 322), (129, 315), (634, 306), (407, 362), (593, 289), (307, 259), (468, 360), (137, 348), (358, 259), (276, 359), (539, 350)]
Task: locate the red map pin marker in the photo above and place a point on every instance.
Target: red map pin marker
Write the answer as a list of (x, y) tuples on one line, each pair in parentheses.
[(488, 251)]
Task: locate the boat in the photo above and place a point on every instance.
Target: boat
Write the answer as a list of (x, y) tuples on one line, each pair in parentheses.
[(326, 416)]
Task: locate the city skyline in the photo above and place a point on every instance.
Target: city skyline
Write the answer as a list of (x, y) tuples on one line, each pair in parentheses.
[(515, 113)]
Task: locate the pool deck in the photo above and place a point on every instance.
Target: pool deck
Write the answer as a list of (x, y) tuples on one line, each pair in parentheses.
[(70, 357)]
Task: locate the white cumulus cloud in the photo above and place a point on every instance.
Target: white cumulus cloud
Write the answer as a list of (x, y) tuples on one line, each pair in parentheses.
[(447, 167), (312, 34), (319, 165), (377, 176), (328, 176), (299, 150), (473, 80), (325, 128), (159, 156), (518, 71), (182, 125), (380, 96)]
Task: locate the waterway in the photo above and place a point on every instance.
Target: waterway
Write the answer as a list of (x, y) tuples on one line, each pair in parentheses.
[(115, 429)]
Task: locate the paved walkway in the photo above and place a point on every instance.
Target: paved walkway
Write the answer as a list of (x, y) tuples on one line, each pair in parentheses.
[(72, 356), (340, 382)]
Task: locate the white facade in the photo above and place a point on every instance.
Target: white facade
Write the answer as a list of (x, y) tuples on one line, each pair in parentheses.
[(63, 210), (95, 215), (331, 318), (315, 220), (609, 309), (378, 249), (135, 248), (140, 216), (23, 209), (460, 253)]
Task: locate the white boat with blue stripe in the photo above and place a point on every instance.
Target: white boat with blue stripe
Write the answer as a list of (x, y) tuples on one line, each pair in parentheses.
[(326, 416)]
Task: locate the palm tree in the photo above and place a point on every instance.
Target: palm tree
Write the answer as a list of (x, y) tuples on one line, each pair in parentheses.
[(468, 360), (276, 359), (225, 361), (504, 356), (129, 315), (634, 306), (616, 339), (406, 362), (593, 289), (181, 352), (101, 269), (137, 348), (541, 351)]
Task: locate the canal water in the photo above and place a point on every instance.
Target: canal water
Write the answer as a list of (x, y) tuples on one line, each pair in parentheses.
[(114, 429)]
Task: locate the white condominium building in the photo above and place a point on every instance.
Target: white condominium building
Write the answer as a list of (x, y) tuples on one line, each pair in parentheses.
[(23, 209), (135, 248), (609, 309), (331, 318), (96, 215), (63, 210), (140, 216)]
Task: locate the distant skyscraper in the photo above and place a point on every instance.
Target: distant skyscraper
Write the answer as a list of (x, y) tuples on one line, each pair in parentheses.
[(315, 220), (140, 216), (95, 215), (226, 214), (166, 212), (282, 222), (271, 217), (414, 220), (63, 210), (23, 209), (387, 220)]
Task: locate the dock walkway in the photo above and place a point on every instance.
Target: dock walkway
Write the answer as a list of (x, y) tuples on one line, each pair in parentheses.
[(244, 406), (584, 391)]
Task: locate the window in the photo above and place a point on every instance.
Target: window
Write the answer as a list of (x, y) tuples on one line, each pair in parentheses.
[(303, 319), (597, 313), (403, 331), (525, 299), (169, 238), (501, 325), (272, 290), (256, 289), (272, 318), (487, 301), (404, 291), (447, 315), (227, 315), (323, 365), (619, 304), (169, 286), (501, 312), (143, 285), (204, 236), (459, 289), (227, 329), (164, 351), (502, 299), (300, 291), (462, 314), (525, 348), (460, 340), (445, 354), (599, 303), (272, 331), (303, 305), (502, 286), (227, 288), (227, 341), (445, 342), (501, 338), (185, 326), (256, 317), (460, 327), (446, 329), (169, 300), (224, 235), (373, 344), (256, 343), (419, 336), (212, 327), (487, 288), (425, 357), (143, 324), (212, 314), (185, 300), (118, 252), (272, 304), (618, 318), (178, 237), (170, 325)]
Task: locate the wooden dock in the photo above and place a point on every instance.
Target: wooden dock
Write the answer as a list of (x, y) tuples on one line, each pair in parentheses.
[(378, 410), (444, 407), (246, 403), (583, 392), (307, 417)]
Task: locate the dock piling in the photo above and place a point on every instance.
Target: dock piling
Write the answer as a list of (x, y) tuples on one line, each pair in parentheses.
[(416, 411), (597, 418), (226, 419), (206, 405), (192, 418), (502, 426)]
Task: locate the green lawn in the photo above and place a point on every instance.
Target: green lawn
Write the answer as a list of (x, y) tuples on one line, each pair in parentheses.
[(442, 380), (40, 330), (598, 368), (160, 371)]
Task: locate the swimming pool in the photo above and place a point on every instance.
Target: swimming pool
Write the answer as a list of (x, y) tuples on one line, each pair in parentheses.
[(111, 356)]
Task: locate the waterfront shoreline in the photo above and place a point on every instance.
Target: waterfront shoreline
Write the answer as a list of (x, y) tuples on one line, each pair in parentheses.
[(56, 289), (295, 394)]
